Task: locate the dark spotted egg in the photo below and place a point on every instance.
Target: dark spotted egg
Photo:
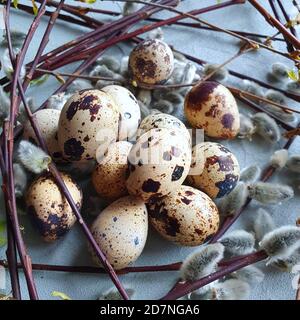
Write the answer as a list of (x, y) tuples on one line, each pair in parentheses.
[(211, 106), (49, 209), (88, 120), (129, 108), (158, 163), (220, 169), (187, 217), (47, 120), (151, 62), (162, 120), (121, 231)]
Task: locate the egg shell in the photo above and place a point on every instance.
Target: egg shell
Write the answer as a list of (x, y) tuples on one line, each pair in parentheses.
[(129, 108), (158, 163), (89, 118), (162, 120), (151, 62), (121, 231), (49, 209), (187, 217), (47, 120), (221, 170), (211, 106), (109, 176)]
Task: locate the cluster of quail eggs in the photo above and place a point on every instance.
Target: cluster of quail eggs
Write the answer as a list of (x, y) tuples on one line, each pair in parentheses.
[(145, 169)]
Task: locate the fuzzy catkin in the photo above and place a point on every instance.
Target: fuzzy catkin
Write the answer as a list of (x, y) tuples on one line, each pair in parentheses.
[(235, 200), (279, 241), (232, 289), (219, 73), (250, 174), (270, 193), (77, 85), (275, 96), (263, 224), (293, 164), (266, 127), (279, 158), (279, 71), (202, 262), (279, 113), (252, 87), (247, 128), (32, 157), (287, 263), (113, 294), (250, 274), (238, 242), (20, 179), (58, 101)]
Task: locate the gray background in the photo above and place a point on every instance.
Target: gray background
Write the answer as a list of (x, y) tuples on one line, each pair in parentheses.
[(211, 46)]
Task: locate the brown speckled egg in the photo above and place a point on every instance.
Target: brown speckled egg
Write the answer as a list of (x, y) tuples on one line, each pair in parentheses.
[(162, 120), (129, 108), (211, 106), (49, 210), (121, 231), (221, 171), (89, 118), (109, 176), (151, 62), (47, 119), (187, 217), (158, 163)]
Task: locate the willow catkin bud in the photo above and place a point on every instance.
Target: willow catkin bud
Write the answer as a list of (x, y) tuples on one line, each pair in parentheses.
[(4, 104), (124, 66), (232, 289), (156, 34), (279, 113), (17, 38), (293, 87), (250, 174), (164, 106), (238, 242), (280, 71), (77, 85), (145, 96), (275, 96), (270, 193), (114, 294), (252, 87), (280, 241), (247, 128), (110, 62), (20, 179), (263, 224), (250, 274), (220, 74), (32, 157), (202, 262), (293, 163), (279, 158), (266, 127), (287, 263), (58, 101)]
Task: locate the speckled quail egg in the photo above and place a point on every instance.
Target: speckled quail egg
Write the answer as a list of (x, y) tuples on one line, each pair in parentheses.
[(151, 62), (47, 119), (211, 106), (158, 163), (121, 231), (187, 217), (129, 108), (162, 120), (49, 210), (221, 170), (109, 176), (89, 118)]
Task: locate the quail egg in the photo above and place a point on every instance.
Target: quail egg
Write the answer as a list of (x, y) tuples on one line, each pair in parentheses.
[(211, 106), (151, 62), (187, 216), (221, 170), (121, 231), (88, 120), (49, 210)]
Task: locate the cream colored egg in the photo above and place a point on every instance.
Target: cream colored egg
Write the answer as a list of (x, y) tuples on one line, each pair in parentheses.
[(162, 120), (151, 62), (121, 231), (109, 176), (89, 120), (47, 120), (187, 217), (49, 209), (211, 106), (158, 163), (129, 108), (221, 170)]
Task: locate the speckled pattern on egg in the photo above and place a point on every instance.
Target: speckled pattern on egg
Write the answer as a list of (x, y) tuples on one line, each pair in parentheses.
[(47, 119), (84, 115), (48, 209), (121, 231), (212, 107), (221, 171), (129, 108), (187, 217), (158, 163), (109, 176), (162, 120), (151, 62)]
